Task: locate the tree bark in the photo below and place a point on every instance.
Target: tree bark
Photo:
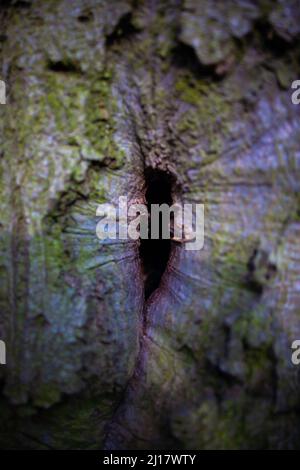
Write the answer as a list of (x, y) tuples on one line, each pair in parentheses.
[(98, 93)]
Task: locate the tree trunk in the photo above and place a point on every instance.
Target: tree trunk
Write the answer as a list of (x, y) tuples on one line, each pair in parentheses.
[(118, 345)]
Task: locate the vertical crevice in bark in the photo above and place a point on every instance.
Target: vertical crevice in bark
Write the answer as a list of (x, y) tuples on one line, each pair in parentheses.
[(155, 253)]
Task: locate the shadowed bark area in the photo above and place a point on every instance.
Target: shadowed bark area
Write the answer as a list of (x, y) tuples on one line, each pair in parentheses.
[(117, 345)]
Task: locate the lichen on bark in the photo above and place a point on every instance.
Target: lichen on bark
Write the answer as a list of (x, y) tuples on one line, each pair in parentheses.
[(97, 92)]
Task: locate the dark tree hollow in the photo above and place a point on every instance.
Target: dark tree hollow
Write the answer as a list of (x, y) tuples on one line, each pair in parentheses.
[(155, 254)]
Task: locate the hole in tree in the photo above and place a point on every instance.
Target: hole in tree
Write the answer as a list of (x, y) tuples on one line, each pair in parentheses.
[(63, 67), (124, 29), (155, 254)]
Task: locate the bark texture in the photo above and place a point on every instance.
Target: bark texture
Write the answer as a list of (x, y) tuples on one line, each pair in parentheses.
[(97, 92)]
